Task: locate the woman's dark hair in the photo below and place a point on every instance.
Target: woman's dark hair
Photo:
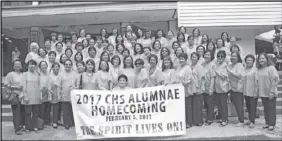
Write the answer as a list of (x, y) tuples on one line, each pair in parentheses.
[(175, 42), (52, 52), (61, 61), (161, 55), (46, 52), (102, 54), (69, 50), (108, 67), (32, 62), (183, 55), (222, 53), (189, 37), (69, 61), (195, 53), (268, 60), (207, 39), (41, 64), (153, 56), (171, 63), (13, 64), (163, 34), (119, 45), (223, 43), (212, 54), (106, 36), (128, 56), (234, 47), (228, 39), (92, 62), (250, 56), (80, 62), (135, 51), (147, 48), (180, 29), (114, 57), (171, 32), (122, 76), (238, 56), (139, 61), (138, 36), (92, 48), (177, 48), (85, 40), (146, 35), (153, 46), (125, 49), (195, 30), (76, 55), (79, 44), (199, 47), (59, 43), (122, 41), (178, 34)]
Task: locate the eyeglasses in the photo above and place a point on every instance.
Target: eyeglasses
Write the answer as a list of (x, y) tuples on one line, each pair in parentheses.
[(220, 56)]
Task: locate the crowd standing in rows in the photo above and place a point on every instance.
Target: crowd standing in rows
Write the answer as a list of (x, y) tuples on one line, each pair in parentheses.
[(209, 71)]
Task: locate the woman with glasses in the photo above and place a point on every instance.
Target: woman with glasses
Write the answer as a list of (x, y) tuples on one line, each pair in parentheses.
[(197, 89), (221, 86), (208, 82), (155, 72), (183, 75), (267, 78), (31, 96), (141, 74), (235, 72), (250, 92), (67, 84)]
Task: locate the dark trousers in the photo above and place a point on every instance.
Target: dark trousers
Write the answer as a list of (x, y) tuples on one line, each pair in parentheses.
[(55, 114), (209, 103), (251, 104), (269, 108), (22, 120), (237, 99), (45, 109), (221, 104), (66, 108), (16, 109), (31, 116), (72, 119), (188, 110), (197, 109), (60, 111)]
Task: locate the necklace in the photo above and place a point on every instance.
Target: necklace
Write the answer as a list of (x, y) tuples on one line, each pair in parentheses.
[(89, 76)]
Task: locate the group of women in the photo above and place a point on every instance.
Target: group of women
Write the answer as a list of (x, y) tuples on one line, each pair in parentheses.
[(208, 70)]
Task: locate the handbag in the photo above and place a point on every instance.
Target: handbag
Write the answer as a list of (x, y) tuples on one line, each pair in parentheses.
[(10, 96)]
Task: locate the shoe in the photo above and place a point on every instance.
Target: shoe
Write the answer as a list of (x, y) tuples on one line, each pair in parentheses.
[(251, 125), (239, 124), (19, 133), (224, 123), (270, 128), (220, 121), (36, 130), (247, 123), (55, 125), (265, 127), (67, 127), (188, 126)]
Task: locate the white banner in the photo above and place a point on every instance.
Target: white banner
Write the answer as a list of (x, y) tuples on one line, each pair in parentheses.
[(142, 112)]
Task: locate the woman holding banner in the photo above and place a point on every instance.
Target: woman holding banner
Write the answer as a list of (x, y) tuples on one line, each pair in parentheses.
[(67, 83), (208, 81), (183, 75)]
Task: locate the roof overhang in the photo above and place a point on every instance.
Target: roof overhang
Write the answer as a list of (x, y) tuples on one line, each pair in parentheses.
[(88, 13)]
